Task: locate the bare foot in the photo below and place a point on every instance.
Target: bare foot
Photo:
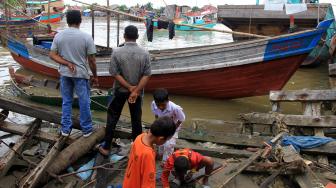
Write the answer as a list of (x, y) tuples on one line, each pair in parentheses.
[(103, 151)]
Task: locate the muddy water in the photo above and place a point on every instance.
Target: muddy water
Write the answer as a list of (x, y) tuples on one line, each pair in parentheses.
[(315, 78)]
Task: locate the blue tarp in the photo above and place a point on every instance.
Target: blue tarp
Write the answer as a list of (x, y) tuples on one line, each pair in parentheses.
[(114, 158), (305, 142)]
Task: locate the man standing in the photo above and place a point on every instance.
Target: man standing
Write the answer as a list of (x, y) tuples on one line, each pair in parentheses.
[(75, 51), (130, 67)]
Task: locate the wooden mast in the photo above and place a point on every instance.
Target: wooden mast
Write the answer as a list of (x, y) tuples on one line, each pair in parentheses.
[(108, 24)]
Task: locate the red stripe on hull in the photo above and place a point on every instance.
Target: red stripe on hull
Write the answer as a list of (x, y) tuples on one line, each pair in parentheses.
[(230, 82), (52, 20)]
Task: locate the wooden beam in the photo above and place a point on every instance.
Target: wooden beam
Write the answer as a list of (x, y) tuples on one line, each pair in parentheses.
[(32, 110), (33, 178), (213, 152), (303, 95), (7, 161), (291, 120), (228, 139)]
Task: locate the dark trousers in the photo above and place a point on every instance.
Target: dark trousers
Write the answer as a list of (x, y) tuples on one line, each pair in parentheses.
[(114, 112)]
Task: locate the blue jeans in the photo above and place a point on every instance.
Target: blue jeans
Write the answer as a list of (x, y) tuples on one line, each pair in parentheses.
[(82, 88)]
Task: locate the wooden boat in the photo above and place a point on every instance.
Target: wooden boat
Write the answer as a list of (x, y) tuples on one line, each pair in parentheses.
[(254, 19), (47, 91), (227, 71)]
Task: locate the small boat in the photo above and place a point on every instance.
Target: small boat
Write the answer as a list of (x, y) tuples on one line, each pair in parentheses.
[(226, 71), (47, 92)]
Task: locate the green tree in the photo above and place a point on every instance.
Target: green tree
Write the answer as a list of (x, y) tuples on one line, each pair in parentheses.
[(123, 8), (195, 9), (149, 6)]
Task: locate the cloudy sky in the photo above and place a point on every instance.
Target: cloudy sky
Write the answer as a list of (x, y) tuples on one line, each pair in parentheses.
[(158, 3)]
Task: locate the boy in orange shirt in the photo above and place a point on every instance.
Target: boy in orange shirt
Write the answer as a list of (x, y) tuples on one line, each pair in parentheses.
[(140, 172)]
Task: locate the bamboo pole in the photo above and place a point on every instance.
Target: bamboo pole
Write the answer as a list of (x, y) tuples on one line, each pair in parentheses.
[(108, 24), (193, 26), (92, 21), (118, 28)]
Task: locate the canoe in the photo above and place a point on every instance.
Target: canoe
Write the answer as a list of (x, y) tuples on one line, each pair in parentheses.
[(47, 92), (226, 71), (254, 19)]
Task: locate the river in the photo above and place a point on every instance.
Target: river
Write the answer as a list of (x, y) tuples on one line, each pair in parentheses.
[(304, 78)]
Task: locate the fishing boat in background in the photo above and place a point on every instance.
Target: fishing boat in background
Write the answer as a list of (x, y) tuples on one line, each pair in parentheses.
[(36, 10), (230, 70), (47, 92), (254, 19), (205, 17)]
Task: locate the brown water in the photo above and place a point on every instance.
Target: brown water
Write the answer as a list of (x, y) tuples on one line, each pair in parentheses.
[(314, 78)]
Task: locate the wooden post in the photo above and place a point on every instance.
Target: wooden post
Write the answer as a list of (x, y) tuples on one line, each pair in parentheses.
[(7, 161), (108, 24), (314, 109), (291, 21), (118, 28), (93, 19), (48, 11)]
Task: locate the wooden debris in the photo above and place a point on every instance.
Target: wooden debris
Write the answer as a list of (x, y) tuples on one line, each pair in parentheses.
[(228, 139), (291, 120), (7, 161), (25, 108), (3, 115), (73, 152), (213, 152), (233, 173), (32, 179)]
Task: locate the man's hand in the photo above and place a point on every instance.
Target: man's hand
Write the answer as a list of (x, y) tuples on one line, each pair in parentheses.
[(131, 88), (72, 68), (133, 96), (94, 81)]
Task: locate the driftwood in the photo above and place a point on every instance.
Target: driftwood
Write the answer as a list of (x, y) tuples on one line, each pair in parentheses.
[(32, 179), (7, 161)]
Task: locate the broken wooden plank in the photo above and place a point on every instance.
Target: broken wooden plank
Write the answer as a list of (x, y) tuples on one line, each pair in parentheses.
[(234, 172), (213, 152), (291, 120), (33, 178), (32, 110), (303, 95), (228, 139), (7, 161), (3, 115)]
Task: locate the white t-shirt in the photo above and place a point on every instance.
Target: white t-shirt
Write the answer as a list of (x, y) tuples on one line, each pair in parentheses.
[(172, 110)]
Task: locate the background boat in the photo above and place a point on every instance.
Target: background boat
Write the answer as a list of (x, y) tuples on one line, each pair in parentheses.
[(254, 19), (230, 70), (47, 92)]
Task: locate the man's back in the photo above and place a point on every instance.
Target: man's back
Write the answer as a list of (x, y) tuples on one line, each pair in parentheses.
[(74, 46), (131, 62)]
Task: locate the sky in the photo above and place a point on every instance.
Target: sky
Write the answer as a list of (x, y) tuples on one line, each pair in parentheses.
[(200, 3)]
